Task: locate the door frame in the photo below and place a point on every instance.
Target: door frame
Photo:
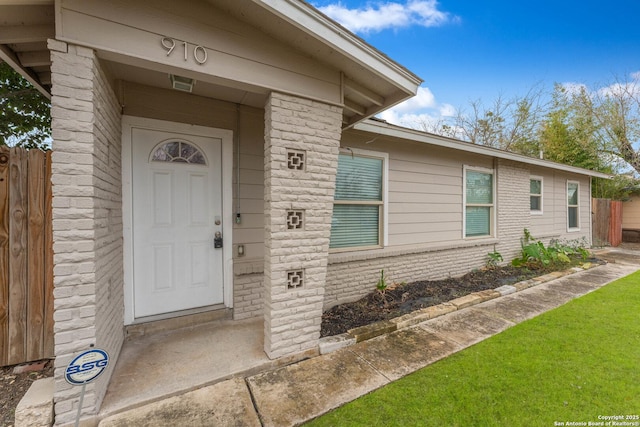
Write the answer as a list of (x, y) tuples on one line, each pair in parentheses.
[(226, 137)]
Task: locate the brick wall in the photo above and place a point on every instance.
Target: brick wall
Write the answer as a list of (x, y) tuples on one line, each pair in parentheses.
[(514, 206), (350, 277), (87, 225), (247, 295), (107, 182), (301, 157)]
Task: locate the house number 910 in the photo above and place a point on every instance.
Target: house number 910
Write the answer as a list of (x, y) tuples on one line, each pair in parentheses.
[(199, 52)]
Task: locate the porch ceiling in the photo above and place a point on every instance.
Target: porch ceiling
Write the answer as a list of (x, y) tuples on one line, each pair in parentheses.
[(25, 27), (371, 81)]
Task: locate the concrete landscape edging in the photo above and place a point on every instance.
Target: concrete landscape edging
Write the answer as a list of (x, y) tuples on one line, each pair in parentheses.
[(363, 333)]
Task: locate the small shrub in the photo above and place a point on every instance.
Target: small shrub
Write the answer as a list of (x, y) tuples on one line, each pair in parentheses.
[(382, 287), (495, 257), (535, 254)]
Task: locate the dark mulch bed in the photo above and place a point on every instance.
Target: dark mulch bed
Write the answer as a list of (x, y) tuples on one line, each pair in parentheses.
[(14, 386), (414, 296)]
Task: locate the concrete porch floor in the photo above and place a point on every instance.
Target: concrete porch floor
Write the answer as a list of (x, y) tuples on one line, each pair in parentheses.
[(161, 364)]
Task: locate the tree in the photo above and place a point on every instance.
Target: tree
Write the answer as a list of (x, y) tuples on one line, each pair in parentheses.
[(593, 129), (25, 118), (505, 124), (569, 135), (616, 110)]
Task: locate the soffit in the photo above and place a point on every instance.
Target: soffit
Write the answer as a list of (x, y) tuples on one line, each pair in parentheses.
[(24, 30), (371, 81)]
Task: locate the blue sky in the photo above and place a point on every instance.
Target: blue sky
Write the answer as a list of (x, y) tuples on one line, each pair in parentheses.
[(468, 50)]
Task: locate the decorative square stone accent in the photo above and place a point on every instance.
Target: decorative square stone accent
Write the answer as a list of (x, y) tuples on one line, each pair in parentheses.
[(296, 159), (295, 220), (295, 279)]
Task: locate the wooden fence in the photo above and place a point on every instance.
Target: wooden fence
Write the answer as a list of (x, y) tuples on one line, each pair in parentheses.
[(607, 222), (26, 256)]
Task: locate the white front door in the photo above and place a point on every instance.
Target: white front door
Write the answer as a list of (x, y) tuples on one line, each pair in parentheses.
[(177, 211)]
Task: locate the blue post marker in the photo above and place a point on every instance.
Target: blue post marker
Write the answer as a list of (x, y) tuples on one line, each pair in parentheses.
[(83, 369)]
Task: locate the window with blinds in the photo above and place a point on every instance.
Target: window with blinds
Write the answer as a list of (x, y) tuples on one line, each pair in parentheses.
[(358, 202), (479, 202)]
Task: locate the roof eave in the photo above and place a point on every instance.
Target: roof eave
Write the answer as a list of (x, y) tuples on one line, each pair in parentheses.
[(319, 26), (387, 129)]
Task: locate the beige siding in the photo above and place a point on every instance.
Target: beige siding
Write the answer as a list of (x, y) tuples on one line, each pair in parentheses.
[(425, 191), (631, 213), (131, 32)]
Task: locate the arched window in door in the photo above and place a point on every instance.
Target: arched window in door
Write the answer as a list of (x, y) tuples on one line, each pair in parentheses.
[(178, 152)]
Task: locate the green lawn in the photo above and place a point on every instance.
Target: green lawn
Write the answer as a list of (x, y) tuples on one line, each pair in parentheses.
[(572, 364)]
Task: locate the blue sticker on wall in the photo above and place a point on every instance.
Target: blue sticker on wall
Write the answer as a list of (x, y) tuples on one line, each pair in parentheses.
[(86, 367)]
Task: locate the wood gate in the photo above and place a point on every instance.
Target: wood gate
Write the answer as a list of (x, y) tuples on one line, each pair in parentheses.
[(607, 222), (26, 256)]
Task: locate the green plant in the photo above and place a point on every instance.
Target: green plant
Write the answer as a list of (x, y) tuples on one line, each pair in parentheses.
[(535, 254), (382, 286), (495, 257)]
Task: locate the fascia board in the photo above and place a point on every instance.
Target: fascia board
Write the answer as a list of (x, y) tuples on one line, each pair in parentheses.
[(321, 27), (393, 131)]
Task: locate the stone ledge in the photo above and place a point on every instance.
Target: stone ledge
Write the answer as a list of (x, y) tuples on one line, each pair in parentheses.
[(411, 319), (373, 330), (466, 301), (35, 409), (506, 290), (488, 294), (363, 333), (335, 342)]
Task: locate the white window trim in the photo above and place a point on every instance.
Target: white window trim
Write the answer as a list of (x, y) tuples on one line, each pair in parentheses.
[(566, 195), (541, 179), (384, 232), (492, 225)]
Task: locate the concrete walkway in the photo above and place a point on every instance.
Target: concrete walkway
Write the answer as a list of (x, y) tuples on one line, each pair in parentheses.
[(293, 394)]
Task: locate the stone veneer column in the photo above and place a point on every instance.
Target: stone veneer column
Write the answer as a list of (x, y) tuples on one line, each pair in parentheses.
[(87, 221), (302, 139)]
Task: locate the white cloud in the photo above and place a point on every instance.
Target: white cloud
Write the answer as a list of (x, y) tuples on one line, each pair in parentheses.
[(621, 89), (421, 112), (423, 99), (385, 15), (617, 88), (447, 110), (573, 88)]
